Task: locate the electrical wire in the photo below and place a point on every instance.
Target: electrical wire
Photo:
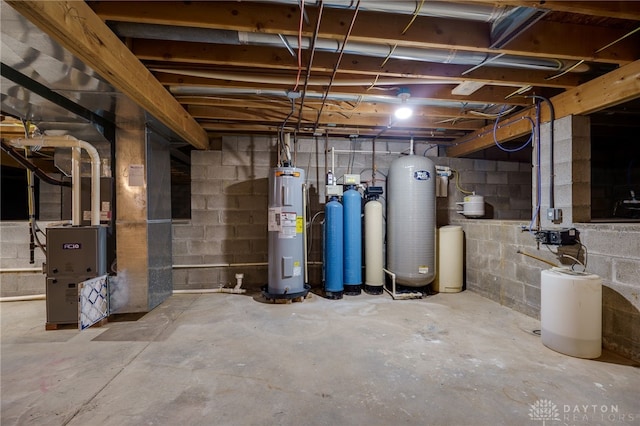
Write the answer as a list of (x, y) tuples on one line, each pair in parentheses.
[(424, 154), (395, 46), (310, 226), (300, 45), (521, 147), (536, 214)]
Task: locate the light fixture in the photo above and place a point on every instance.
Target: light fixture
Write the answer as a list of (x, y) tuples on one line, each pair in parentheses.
[(403, 112)]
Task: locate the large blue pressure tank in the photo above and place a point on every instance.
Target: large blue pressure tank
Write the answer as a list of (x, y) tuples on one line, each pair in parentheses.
[(333, 249), (411, 225), (352, 201), (286, 233)]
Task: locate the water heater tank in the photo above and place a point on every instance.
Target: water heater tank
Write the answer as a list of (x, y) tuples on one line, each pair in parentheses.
[(286, 227), (411, 225)]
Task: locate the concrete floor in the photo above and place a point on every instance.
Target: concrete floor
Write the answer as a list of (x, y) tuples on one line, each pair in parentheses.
[(449, 359)]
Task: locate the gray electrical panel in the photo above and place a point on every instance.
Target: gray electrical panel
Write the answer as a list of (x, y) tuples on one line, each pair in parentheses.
[(74, 254)]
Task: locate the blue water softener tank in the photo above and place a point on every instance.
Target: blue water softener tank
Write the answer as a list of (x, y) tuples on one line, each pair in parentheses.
[(352, 201), (286, 233), (333, 249), (411, 225)]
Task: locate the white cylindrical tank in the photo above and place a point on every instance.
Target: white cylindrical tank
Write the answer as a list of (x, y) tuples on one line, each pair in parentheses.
[(450, 259), (571, 312), (472, 206), (373, 247), (411, 212)]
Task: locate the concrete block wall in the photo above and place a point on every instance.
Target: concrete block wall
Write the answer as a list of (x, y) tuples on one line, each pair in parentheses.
[(572, 169), (495, 270), (229, 200), (505, 186), (14, 254)]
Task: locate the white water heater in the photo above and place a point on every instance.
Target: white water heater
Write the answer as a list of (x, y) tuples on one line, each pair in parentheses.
[(411, 224), (286, 233)]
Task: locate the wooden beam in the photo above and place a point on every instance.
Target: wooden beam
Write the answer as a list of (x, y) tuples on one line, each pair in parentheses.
[(185, 53), (439, 92), (371, 27), (78, 29), (369, 108), (242, 115), (611, 89), (609, 8), (434, 136)]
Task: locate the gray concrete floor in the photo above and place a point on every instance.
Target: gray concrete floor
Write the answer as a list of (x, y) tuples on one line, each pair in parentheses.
[(449, 359)]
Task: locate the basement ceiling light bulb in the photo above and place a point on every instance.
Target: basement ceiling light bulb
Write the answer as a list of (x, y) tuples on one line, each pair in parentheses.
[(403, 112)]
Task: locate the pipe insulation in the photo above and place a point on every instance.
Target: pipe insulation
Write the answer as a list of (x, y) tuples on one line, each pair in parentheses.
[(68, 141)]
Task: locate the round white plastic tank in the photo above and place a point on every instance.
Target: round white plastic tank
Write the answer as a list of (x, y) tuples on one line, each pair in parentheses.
[(472, 206), (411, 211), (450, 259), (571, 312)]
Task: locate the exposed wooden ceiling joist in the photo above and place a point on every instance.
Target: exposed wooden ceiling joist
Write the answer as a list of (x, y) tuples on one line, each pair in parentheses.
[(279, 59), (618, 86), (611, 9), (76, 27), (375, 27)]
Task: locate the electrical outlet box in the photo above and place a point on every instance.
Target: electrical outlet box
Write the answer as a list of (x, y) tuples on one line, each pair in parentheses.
[(554, 215), (558, 237)]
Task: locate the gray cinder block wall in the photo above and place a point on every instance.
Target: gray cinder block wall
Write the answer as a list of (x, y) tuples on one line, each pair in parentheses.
[(227, 231), (496, 270)]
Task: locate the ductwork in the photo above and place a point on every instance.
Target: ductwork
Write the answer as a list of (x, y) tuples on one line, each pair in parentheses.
[(440, 9), (231, 91), (253, 78), (206, 35)]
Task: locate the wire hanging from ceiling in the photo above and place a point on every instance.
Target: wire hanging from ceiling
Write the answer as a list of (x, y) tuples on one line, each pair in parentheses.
[(310, 63), (300, 45), (335, 68), (413, 18)]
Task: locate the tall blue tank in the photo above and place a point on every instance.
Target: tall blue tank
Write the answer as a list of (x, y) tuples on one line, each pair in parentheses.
[(333, 249), (352, 201)]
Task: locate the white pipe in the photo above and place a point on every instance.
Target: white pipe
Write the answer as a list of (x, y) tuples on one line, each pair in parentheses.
[(76, 187), (23, 298), (68, 141), (304, 232), (18, 270), (393, 282), (218, 265), (364, 151), (211, 290), (411, 146)]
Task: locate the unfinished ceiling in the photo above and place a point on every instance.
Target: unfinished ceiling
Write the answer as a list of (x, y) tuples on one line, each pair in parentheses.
[(342, 67)]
